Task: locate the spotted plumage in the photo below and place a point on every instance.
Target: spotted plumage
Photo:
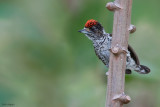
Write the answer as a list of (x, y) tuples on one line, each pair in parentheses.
[(102, 44)]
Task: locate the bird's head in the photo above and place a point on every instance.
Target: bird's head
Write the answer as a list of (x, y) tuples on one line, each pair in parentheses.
[(93, 30)]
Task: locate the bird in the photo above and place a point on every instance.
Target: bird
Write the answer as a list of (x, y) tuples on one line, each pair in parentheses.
[(101, 40)]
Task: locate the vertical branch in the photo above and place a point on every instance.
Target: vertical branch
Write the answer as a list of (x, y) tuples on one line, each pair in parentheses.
[(121, 29)]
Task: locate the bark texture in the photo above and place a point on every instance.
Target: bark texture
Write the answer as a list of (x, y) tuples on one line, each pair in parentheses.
[(117, 65)]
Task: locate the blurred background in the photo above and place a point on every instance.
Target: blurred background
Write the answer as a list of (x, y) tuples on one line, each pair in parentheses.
[(45, 62)]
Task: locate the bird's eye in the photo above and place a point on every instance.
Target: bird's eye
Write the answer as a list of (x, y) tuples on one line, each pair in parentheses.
[(87, 29)]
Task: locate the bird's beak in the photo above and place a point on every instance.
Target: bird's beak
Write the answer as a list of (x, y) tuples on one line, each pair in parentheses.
[(83, 31)]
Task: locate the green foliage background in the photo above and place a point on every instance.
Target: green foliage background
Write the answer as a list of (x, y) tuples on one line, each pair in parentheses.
[(45, 62)]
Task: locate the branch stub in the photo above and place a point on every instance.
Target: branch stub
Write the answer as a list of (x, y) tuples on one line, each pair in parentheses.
[(132, 28), (116, 50), (112, 6), (125, 99)]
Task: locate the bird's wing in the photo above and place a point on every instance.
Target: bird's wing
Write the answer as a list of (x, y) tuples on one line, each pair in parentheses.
[(133, 55)]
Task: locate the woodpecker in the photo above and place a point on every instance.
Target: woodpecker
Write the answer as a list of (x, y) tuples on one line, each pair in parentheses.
[(102, 45)]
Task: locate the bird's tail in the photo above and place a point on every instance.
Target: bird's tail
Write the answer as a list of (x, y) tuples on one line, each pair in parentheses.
[(142, 69)]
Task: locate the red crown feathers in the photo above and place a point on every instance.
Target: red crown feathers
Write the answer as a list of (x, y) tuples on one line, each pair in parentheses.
[(90, 23)]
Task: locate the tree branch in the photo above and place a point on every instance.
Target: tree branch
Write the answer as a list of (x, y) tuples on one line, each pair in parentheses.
[(117, 65)]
